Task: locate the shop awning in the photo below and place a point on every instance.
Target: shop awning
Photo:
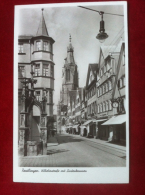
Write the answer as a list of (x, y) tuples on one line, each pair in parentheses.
[(87, 122), (82, 127), (116, 120), (99, 120), (75, 126)]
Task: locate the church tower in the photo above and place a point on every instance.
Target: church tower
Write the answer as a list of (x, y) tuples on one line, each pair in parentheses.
[(69, 74)]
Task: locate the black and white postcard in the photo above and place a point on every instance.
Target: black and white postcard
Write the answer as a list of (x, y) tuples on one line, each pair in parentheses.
[(71, 93)]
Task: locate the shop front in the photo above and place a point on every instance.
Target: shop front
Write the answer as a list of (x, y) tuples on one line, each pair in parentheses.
[(83, 131), (117, 129)]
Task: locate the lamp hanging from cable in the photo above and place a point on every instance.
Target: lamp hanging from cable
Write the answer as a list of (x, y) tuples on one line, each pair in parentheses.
[(102, 35)]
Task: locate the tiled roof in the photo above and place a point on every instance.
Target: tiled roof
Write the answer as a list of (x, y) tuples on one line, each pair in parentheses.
[(42, 29)]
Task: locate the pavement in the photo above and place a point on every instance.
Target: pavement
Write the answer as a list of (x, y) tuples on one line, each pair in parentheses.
[(67, 150)]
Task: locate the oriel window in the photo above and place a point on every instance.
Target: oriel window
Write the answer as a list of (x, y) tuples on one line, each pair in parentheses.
[(37, 70), (45, 46), (45, 70), (38, 45), (20, 48)]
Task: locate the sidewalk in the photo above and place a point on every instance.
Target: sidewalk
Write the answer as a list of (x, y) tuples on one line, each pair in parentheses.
[(52, 141), (101, 142)]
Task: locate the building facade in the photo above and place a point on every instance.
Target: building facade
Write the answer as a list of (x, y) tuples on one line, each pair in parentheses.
[(36, 75)]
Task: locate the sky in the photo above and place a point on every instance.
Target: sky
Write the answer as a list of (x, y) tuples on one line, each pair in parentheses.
[(82, 24)]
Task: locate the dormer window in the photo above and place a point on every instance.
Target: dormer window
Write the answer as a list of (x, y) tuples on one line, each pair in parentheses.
[(45, 46), (20, 48), (38, 45)]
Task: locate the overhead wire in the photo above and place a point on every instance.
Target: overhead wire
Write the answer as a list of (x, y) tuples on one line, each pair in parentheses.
[(114, 42), (100, 12)]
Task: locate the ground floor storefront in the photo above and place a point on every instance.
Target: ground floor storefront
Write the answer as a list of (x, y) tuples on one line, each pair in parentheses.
[(112, 130)]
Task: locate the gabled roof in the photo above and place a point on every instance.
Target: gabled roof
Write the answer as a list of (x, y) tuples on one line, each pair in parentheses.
[(42, 29), (118, 68), (94, 69)]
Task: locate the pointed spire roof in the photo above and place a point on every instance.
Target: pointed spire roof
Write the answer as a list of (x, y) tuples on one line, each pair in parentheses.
[(70, 50), (42, 29)]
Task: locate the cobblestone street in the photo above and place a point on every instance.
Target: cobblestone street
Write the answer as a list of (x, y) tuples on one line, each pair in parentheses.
[(77, 151)]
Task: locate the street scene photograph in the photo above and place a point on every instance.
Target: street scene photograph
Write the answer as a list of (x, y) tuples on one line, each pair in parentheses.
[(72, 86)]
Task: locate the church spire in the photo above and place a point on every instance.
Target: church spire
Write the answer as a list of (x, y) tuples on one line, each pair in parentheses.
[(42, 29), (70, 50)]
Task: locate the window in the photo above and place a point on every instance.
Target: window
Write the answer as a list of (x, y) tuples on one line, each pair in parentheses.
[(20, 48), (101, 72), (22, 71), (106, 87), (45, 69), (123, 81), (104, 68), (98, 108), (120, 81), (38, 95), (37, 70), (98, 93), (103, 87), (109, 84), (50, 97), (106, 105), (110, 105), (45, 46), (51, 71), (38, 45), (50, 46), (100, 90), (108, 66), (104, 109), (94, 107)]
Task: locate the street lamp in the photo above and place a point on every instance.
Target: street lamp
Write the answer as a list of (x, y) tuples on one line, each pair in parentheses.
[(102, 35)]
